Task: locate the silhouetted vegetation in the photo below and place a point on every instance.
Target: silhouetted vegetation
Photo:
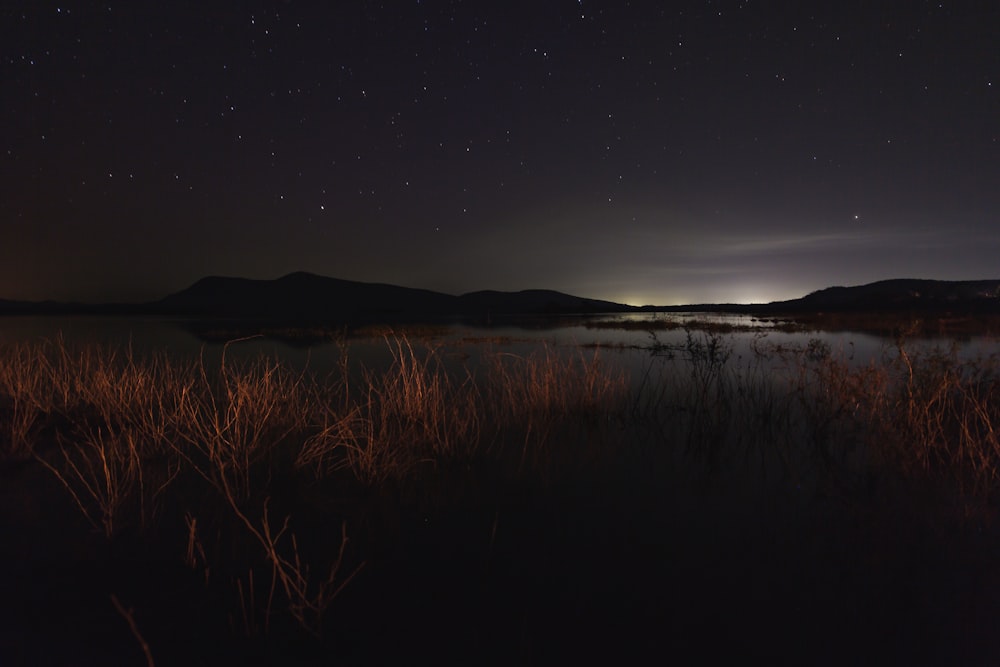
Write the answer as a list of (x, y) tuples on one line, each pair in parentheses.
[(284, 514)]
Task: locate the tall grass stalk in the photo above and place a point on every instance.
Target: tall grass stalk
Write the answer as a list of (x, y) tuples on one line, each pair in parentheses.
[(101, 473), (307, 596), (418, 408), (114, 421), (226, 424), (23, 398)]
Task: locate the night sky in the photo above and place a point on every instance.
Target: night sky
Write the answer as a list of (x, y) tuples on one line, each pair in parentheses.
[(642, 152)]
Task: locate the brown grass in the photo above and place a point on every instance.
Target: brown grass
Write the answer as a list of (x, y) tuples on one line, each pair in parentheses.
[(116, 429), (249, 440)]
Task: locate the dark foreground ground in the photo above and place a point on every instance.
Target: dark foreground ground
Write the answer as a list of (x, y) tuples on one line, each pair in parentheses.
[(463, 567)]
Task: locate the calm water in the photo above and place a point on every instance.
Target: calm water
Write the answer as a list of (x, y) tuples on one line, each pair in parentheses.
[(745, 538), (631, 349)]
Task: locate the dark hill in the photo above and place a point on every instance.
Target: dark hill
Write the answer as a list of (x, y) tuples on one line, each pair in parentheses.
[(301, 296), (308, 297), (304, 296), (902, 295)]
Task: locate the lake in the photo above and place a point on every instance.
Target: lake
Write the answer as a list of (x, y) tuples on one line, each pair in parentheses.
[(801, 497), (619, 339)]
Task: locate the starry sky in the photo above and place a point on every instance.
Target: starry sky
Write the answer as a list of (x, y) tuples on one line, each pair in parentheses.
[(643, 152)]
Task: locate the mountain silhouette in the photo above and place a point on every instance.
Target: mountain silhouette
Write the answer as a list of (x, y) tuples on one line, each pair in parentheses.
[(903, 295), (302, 296), (308, 296)]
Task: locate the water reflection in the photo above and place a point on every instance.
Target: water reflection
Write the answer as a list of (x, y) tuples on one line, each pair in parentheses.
[(630, 338)]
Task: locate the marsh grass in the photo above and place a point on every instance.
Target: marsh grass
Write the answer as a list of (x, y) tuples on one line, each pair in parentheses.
[(102, 473), (307, 595), (421, 412), (944, 413), (547, 410), (231, 422), (418, 404), (22, 400), (815, 418), (104, 419), (118, 431), (246, 465)]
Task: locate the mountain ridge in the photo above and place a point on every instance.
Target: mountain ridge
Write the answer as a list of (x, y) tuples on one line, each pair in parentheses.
[(905, 293), (302, 296), (305, 295)]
